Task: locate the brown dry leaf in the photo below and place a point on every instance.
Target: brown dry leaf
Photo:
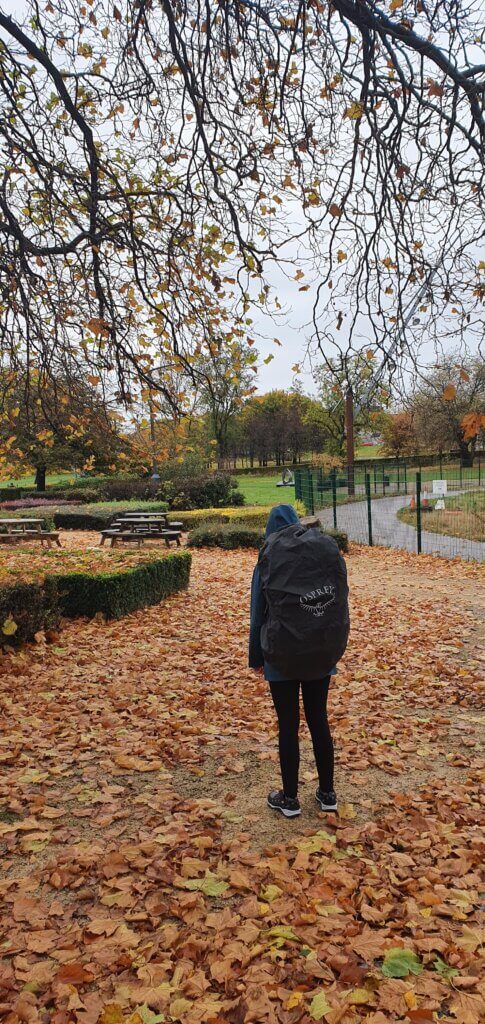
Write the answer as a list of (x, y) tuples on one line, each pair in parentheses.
[(468, 1008), (74, 974), (112, 1013), (136, 764)]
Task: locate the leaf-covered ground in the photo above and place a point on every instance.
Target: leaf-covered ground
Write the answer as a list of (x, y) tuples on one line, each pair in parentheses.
[(143, 878), (81, 552)]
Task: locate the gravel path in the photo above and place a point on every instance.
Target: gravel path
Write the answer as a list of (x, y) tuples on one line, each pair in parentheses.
[(389, 531)]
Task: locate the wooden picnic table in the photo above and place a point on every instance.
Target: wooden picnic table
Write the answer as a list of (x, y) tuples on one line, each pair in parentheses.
[(140, 526), (142, 515), (140, 522), (27, 529), (23, 523)]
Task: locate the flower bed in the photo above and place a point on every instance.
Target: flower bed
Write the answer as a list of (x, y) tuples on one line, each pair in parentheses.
[(36, 588), (34, 564), (23, 503)]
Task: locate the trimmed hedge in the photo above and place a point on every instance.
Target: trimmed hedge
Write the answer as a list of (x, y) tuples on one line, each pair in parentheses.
[(230, 536), (29, 607), (339, 536), (10, 493), (78, 495), (226, 536), (255, 515), (99, 515), (118, 593)]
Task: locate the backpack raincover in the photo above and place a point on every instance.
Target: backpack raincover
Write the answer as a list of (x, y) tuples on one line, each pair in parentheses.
[(304, 580)]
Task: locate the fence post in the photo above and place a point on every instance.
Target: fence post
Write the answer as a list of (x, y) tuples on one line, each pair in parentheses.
[(398, 480), (405, 478), (418, 509), (441, 464), (333, 476), (461, 472), (298, 488), (479, 469), (383, 478), (311, 502), (375, 478), (369, 507)]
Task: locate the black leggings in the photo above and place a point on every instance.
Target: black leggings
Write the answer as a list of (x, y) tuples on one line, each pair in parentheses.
[(286, 699)]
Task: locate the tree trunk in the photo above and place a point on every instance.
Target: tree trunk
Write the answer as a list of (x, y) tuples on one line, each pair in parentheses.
[(467, 452), (40, 477)]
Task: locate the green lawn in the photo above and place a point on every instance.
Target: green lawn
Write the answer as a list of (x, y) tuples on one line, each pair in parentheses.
[(463, 516), (262, 490), (369, 451), (29, 480)]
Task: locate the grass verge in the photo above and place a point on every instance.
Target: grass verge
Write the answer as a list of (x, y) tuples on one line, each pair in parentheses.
[(463, 516)]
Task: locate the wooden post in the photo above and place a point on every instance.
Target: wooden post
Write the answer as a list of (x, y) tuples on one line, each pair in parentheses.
[(369, 507), (349, 435), (153, 440)]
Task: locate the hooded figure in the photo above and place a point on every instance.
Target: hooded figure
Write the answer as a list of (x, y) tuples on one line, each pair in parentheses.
[(286, 699), (279, 517)]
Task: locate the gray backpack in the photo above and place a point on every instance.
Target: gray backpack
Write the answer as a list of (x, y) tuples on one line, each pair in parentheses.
[(304, 580)]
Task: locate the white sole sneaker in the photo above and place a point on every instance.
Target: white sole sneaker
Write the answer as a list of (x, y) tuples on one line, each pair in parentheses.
[(326, 807), (285, 810)]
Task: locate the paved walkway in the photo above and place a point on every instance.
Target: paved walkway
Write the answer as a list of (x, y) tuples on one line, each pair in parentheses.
[(389, 531)]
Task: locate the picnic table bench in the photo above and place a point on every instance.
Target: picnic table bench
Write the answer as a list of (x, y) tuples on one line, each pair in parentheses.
[(115, 534), (18, 530), (140, 527)]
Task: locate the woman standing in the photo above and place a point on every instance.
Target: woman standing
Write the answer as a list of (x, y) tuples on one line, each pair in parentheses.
[(285, 684)]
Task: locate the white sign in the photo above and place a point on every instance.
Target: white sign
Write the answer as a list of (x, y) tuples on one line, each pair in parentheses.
[(440, 504), (440, 487)]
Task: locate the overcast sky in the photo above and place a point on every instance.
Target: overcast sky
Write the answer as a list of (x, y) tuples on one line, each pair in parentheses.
[(294, 327)]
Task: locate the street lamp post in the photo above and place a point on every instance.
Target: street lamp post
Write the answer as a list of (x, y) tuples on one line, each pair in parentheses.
[(155, 477), (349, 436)]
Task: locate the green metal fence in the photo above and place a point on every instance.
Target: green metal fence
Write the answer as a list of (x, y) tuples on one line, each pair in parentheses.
[(433, 508)]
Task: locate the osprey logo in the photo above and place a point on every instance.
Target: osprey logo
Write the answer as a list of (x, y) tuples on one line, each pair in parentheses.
[(317, 601)]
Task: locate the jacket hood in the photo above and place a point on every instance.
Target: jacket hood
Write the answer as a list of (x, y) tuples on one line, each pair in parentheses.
[(280, 517)]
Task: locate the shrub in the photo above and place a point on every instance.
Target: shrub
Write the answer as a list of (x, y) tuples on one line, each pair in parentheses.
[(26, 608), (76, 495), (193, 463), (126, 490), (256, 515), (117, 593), (10, 493), (226, 536), (241, 535), (339, 536), (99, 515), (237, 499), (208, 490)]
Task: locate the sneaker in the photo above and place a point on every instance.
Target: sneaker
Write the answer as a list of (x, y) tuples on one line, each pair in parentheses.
[(287, 805), (326, 801)]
